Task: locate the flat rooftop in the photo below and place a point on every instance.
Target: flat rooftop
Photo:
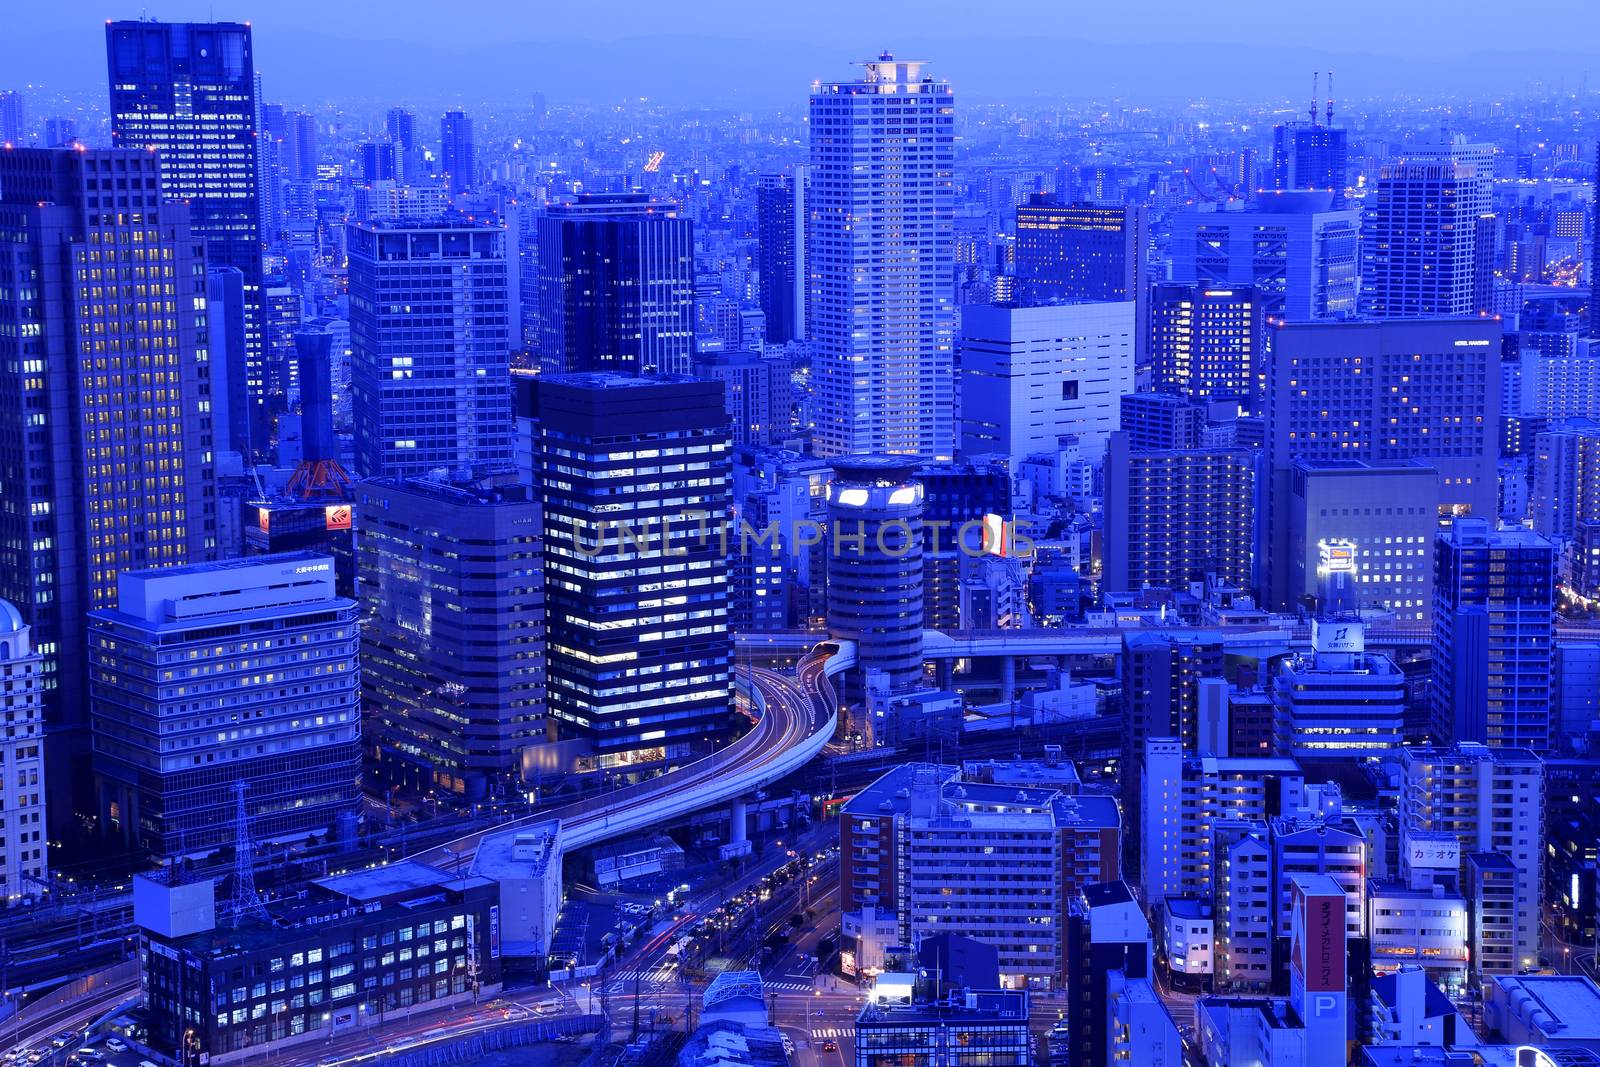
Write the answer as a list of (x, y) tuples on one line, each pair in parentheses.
[(394, 879)]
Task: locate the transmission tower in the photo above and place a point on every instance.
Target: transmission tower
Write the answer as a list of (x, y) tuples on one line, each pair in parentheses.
[(246, 901)]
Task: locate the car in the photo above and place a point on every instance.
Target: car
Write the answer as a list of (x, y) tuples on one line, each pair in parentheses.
[(90, 1055), (830, 1046), (116, 1044), (147, 1063)]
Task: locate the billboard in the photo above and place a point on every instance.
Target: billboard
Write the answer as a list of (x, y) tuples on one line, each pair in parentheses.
[(1330, 635), (1317, 928)]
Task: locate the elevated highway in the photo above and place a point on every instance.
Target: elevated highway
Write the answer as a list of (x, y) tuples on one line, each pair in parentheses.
[(796, 717)]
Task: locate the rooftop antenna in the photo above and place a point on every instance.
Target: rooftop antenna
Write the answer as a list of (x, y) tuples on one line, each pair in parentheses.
[(1315, 76), (246, 901), (1330, 98)]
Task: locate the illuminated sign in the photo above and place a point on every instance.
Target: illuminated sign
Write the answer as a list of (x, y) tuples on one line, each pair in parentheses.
[(1337, 556), (997, 535), (264, 519), (1317, 951), (1441, 853), (1335, 636), (337, 516)]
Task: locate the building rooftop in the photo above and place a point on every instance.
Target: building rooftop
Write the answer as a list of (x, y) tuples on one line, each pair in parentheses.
[(962, 1006), (1569, 1002), (395, 879)]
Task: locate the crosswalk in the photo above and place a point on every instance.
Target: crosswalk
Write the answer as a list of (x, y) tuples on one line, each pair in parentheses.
[(786, 987), (834, 1032)]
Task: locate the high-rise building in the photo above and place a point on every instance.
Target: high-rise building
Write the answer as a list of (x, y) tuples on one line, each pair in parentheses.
[(635, 477), (1428, 239), (1309, 155), (1204, 343), (378, 161), (24, 840), (757, 392), (1339, 701), (875, 569), (458, 154), (1564, 503), (230, 382), (451, 590), (116, 469), (1493, 636), (781, 254), (301, 146), (217, 673), (1175, 515), (1389, 392), (59, 132), (1161, 420), (1108, 942), (1081, 250), (1298, 252), (401, 126), (1594, 253), (616, 286), (430, 344), (188, 91), (1493, 801), (14, 119), (1032, 375), (880, 261)]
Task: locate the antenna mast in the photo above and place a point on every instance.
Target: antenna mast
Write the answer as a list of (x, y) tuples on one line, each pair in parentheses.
[(246, 901)]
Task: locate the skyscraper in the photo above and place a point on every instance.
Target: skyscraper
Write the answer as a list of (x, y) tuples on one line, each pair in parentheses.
[(1310, 156), (1204, 342), (616, 286), (13, 119), (1385, 393), (302, 146), (188, 90), (1081, 250), (115, 469), (1428, 239), (781, 252), (1594, 253), (452, 658), (880, 260), (635, 475), (24, 846), (206, 675), (458, 153), (1299, 252), (430, 342), (402, 128), (1493, 636)]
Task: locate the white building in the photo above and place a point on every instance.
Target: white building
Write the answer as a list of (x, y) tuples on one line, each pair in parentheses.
[(1139, 1028), (1492, 800), (881, 252), (1404, 1008), (526, 863), (24, 849), (1033, 375), (1339, 701), (1188, 935), (1421, 922)]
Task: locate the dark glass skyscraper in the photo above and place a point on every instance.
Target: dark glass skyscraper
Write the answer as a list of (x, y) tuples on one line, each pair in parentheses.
[(457, 153), (616, 281), (1080, 250), (636, 479), (188, 90), (106, 463), (781, 252), (1310, 156)]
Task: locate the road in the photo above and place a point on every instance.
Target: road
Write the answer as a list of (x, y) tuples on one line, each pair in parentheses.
[(799, 717)]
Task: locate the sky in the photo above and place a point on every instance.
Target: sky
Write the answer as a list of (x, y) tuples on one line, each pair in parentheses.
[(693, 47)]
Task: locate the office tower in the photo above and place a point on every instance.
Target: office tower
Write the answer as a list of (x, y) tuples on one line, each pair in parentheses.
[(1078, 250), (230, 378), (880, 259), (1194, 793), (1204, 343), (411, 203), (270, 168), (1361, 536), (875, 571), (13, 120), (635, 476), (1106, 935), (452, 648), (756, 391), (1298, 252), (458, 154), (1310, 156), (116, 469), (1428, 238), (925, 848), (188, 91), (1175, 515), (281, 311), (1339, 701), (1566, 478), (961, 503), (24, 844), (59, 132), (300, 143), (1493, 632), (1493, 801), (781, 254), (1032, 375), (1382, 393), (401, 126), (211, 674), (616, 286), (430, 373), (378, 161)]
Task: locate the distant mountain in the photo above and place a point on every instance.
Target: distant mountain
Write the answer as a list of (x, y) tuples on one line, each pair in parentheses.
[(305, 68)]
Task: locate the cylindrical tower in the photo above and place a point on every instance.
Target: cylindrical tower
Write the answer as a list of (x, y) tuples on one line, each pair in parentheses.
[(875, 564)]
